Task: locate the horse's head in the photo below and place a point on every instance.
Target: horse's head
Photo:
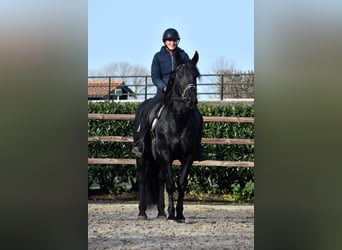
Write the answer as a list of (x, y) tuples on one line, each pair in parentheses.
[(182, 86)]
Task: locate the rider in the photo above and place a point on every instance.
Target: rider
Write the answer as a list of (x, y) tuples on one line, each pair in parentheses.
[(163, 63)]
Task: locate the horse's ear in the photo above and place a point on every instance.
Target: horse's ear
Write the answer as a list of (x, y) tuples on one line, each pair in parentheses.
[(195, 57)]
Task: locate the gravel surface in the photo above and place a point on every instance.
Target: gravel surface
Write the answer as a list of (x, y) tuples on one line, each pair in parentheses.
[(115, 226)]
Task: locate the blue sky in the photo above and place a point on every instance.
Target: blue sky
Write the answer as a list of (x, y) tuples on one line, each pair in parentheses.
[(130, 31)]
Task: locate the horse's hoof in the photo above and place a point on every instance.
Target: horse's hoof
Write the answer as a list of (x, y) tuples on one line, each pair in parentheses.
[(170, 217), (142, 217), (161, 216), (181, 220)]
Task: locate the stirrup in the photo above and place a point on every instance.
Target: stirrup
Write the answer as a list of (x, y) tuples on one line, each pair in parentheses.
[(138, 149)]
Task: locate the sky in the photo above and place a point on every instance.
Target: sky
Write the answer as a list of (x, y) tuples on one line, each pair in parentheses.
[(131, 31)]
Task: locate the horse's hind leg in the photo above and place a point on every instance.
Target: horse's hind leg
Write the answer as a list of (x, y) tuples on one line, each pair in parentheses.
[(141, 185)]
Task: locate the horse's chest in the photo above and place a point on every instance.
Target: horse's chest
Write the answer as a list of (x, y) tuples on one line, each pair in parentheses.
[(174, 131), (174, 136)]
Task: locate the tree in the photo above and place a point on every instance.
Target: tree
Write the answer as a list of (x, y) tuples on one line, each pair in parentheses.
[(233, 83)]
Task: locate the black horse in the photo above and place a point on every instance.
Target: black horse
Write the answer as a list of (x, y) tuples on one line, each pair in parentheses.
[(176, 135)]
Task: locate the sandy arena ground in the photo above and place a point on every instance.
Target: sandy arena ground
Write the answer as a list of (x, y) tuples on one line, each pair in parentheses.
[(115, 226)]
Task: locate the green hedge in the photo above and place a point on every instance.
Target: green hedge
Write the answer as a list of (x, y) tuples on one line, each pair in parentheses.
[(115, 179)]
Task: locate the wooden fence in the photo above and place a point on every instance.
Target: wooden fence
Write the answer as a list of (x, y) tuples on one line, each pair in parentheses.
[(108, 161)]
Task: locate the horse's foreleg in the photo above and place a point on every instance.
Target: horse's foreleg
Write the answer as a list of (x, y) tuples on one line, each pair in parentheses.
[(171, 207), (161, 201), (170, 188), (182, 183)]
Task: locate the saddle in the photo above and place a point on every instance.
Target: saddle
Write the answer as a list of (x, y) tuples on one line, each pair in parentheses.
[(154, 115)]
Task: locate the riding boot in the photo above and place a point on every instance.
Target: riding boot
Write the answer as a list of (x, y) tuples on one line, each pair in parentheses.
[(138, 148)]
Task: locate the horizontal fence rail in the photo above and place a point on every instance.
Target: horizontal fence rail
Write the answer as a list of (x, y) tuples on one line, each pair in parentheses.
[(209, 86), (205, 118), (109, 161), (204, 140)]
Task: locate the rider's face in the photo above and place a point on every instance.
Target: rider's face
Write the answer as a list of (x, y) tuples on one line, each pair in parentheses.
[(171, 44)]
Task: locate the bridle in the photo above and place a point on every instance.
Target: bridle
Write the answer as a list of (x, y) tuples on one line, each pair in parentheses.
[(188, 86), (183, 98)]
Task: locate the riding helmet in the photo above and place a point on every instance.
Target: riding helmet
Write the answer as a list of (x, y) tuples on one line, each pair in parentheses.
[(170, 34)]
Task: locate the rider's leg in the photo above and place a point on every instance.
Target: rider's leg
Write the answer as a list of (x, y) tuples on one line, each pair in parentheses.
[(144, 127), (139, 145)]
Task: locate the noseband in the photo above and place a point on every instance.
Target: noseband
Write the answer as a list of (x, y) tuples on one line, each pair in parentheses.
[(182, 98), (189, 86)]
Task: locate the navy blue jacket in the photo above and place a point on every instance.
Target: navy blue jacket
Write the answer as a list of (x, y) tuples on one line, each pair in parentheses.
[(163, 64)]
